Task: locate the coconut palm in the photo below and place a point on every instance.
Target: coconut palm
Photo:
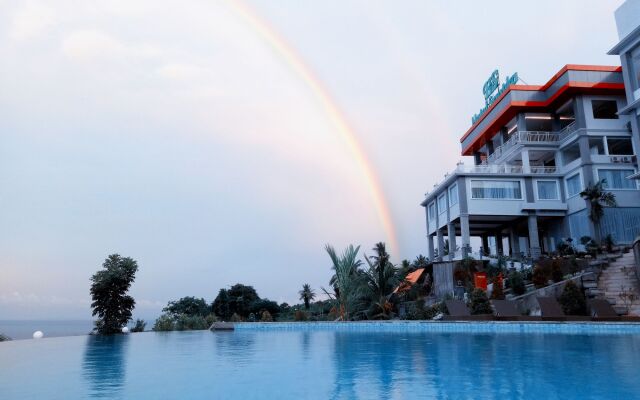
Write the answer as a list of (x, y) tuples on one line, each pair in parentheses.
[(346, 281), (598, 198), (307, 295), (380, 280)]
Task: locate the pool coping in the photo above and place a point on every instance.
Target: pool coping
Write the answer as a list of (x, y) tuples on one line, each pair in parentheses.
[(567, 327)]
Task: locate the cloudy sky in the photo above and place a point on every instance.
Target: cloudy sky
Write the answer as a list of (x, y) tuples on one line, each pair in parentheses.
[(219, 142)]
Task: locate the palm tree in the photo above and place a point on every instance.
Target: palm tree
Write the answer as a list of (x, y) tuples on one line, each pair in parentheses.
[(380, 280), (598, 198), (307, 295), (346, 281)]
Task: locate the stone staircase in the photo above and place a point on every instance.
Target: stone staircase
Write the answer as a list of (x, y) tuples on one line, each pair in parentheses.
[(620, 278)]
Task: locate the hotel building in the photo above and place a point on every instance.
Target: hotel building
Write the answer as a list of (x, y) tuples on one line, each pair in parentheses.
[(535, 148)]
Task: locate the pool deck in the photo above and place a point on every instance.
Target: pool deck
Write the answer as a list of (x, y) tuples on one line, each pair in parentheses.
[(564, 327)]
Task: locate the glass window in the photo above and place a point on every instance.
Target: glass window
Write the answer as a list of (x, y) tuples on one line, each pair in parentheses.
[(604, 109), (432, 211), (620, 146), (442, 203), (547, 190), (616, 178), (453, 195), (495, 190), (574, 185)]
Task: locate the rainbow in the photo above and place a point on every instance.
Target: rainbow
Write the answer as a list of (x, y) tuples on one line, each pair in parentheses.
[(337, 117)]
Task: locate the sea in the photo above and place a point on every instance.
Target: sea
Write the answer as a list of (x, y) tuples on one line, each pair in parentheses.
[(24, 329)]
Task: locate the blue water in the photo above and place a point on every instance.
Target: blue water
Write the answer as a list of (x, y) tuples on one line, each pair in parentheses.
[(23, 329), (322, 364)]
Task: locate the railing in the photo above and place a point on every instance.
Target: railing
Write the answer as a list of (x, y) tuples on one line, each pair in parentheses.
[(567, 130), (524, 137), (490, 169), (543, 170)]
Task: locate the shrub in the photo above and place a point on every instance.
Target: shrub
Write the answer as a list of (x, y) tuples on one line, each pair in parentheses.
[(479, 303), (139, 326), (497, 292), (539, 278), (300, 315), (191, 323), (516, 282), (236, 318), (210, 319), (609, 243), (572, 300), (266, 317), (252, 317), (163, 323), (4, 338), (556, 270)]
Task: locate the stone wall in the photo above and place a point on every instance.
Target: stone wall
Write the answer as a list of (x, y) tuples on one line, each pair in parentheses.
[(443, 278)]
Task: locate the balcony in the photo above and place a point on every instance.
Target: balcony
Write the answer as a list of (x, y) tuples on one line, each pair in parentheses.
[(524, 138)]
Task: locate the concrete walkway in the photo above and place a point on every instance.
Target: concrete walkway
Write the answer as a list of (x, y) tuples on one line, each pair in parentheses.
[(620, 278)]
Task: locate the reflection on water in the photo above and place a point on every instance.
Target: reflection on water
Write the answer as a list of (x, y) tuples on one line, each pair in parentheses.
[(104, 365)]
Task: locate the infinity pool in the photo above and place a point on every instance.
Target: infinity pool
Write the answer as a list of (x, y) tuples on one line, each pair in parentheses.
[(323, 364)]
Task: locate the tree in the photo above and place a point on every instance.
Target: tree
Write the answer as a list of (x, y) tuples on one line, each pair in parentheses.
[(189, 306), (420, 262), (598, 198), (307, 295), (380, 280), (479, 302), (235, 300), (572, 300), (110, 301), (346, 281), (139, 326), (261, 305)]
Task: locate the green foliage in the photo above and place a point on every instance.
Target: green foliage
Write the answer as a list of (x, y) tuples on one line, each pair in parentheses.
[(539, 277), (252, 317), (261, 305), (479, 303), (515, 281), (184, 322), (236, 318), (164, 323), (189, 306), (556, 270), (497, 293), (109, 288), (237, 299), (379, 282), (4, 338), (139, 326), (346, 281), (266, 317), (572, 300), (419, 311), (307, 295), (300, 316), (609, 242), (598, 198), (566, 248)]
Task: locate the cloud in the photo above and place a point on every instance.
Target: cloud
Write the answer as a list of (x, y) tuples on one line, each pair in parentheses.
[(30, 21), (86, 45), (180, 71)]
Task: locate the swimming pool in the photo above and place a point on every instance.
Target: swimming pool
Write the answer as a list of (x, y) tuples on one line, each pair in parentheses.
[(340, 361)]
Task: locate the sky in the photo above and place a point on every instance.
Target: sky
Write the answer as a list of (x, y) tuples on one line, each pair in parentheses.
[(218, 142)]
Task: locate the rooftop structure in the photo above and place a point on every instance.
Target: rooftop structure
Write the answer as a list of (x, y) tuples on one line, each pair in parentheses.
[(535, 149)]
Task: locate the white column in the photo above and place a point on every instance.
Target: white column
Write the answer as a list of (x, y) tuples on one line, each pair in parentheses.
[(451, 234), (430, 247), (440, 244), (534, 240), (465, 235), (526, 168)]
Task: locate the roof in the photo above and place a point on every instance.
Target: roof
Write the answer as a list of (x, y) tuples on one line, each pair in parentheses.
[(570, 80), (409, 280)]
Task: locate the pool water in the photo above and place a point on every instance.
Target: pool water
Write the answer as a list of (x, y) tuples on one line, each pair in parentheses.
[(323, 364)]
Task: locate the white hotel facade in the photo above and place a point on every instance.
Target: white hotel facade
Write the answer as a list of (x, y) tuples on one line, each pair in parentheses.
[(535, 149)]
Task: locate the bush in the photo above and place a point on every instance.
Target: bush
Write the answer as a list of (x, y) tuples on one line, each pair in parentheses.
[(191, 323), (300, 315), (266, 317), (497, 293), (190, 306), (4, 338), (258, 307), (236, 318), (139, 326), (480, 303), (539, 278), (572, 300), (556, 270), (609, 243), (251, 318), (163, 323), (210, 319), (516, 282)]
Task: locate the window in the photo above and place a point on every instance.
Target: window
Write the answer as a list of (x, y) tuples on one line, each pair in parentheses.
[(596, 145), (604, 109), (496, 190), (574, 185), (620, 146), (442, 203), (548, 190), (453, 195), (432, 211), (616, 178)]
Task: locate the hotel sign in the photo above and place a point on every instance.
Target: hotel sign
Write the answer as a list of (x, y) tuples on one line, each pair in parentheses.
[(492, 90)]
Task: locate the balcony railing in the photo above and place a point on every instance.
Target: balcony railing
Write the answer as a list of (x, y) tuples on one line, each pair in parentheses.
[(524, 137)]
